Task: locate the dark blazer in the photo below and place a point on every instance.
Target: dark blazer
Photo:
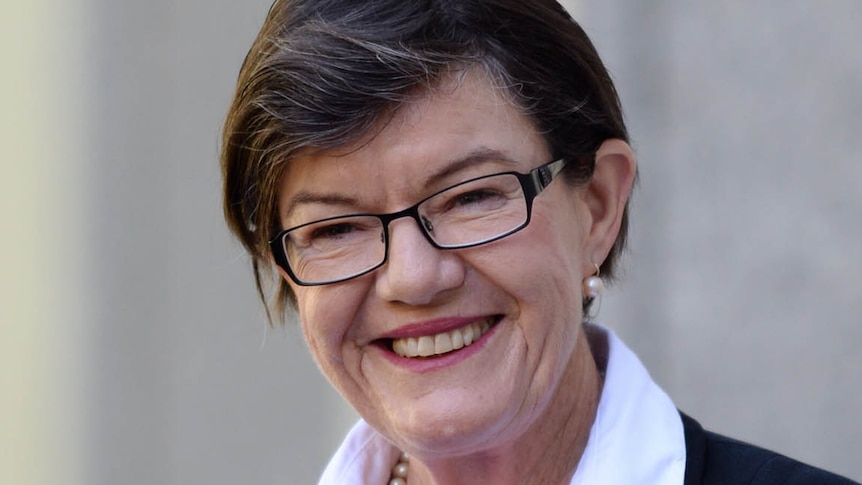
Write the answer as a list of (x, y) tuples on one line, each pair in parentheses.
[(712, 459)]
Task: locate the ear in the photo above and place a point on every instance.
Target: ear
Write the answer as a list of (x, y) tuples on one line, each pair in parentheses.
[(606, 196)]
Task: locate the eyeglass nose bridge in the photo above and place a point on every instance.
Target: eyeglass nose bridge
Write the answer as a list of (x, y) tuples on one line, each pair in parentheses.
[(425, 226)]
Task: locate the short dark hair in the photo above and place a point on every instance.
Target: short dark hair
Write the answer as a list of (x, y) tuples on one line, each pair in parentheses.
[(323, 73)]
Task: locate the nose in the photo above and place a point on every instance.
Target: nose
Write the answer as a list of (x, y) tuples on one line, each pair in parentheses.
[(416, 272)]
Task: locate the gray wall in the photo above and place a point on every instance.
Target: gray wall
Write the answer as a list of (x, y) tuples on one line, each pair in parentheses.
[(183, 344), (140, 354), (744, 285)]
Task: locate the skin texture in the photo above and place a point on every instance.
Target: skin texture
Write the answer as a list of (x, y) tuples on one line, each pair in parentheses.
[(519, 408)]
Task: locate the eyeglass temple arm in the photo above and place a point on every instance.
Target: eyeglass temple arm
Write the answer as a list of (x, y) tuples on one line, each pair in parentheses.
[(543, 175)]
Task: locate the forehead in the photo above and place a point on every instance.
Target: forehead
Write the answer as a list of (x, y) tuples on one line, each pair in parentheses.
[(465, 126)]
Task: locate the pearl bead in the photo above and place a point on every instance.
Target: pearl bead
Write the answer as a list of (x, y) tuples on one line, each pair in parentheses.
[(400, 470), (593, 286)]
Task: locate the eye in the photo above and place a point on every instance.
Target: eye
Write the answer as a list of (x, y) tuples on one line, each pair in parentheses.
[(333, 231), (336, 233), (475, 197), (479, 199), (332, 234)]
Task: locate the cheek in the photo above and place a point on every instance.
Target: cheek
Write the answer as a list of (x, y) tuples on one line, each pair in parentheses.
[(562, 226), (539, 269), (325, 313), (545, 258)]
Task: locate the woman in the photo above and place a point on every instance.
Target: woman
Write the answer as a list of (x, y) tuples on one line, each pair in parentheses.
[(442, 187)]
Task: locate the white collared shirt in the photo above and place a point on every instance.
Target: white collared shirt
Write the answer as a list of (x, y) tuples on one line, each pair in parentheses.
[(637, 436)]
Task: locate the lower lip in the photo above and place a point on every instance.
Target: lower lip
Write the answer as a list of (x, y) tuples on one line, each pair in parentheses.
[(421, 365)]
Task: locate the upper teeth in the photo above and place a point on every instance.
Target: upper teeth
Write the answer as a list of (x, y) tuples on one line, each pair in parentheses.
[(442, 342)]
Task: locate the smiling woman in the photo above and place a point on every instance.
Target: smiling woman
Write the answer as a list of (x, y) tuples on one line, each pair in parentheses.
[(442, 186), (518, 308)]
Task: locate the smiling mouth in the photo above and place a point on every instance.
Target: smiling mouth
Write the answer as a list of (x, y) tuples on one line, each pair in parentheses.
[(444, 342)]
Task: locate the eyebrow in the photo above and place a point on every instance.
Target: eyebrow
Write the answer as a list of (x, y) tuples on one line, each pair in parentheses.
[(473, 157), (479, 155), (316, 198)]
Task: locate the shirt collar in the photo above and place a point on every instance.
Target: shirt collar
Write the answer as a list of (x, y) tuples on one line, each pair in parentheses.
[(637, 436)]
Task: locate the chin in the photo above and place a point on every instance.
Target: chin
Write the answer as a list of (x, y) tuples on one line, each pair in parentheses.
[(453, 427)]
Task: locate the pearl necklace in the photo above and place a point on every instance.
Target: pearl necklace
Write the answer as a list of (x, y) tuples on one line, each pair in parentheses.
[(399, 471)]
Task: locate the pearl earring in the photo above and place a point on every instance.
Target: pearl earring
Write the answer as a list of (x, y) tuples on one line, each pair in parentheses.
[(593, 286)]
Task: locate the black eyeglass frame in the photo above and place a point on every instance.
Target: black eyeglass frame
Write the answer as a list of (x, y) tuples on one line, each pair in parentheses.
[(532, 184)]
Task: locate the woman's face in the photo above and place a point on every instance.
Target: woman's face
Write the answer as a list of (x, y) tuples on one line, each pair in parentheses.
[(526, 287)]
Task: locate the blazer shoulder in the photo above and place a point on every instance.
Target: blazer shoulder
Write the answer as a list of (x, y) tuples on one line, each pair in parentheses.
[(716, 459)]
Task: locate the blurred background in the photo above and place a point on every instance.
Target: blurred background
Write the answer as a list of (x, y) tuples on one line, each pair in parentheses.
[(133, 349)]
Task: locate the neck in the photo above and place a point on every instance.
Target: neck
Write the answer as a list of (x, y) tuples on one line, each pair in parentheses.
[(548, 451)]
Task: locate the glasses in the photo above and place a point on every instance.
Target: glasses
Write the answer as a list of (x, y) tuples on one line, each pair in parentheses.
[(474, 212)]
